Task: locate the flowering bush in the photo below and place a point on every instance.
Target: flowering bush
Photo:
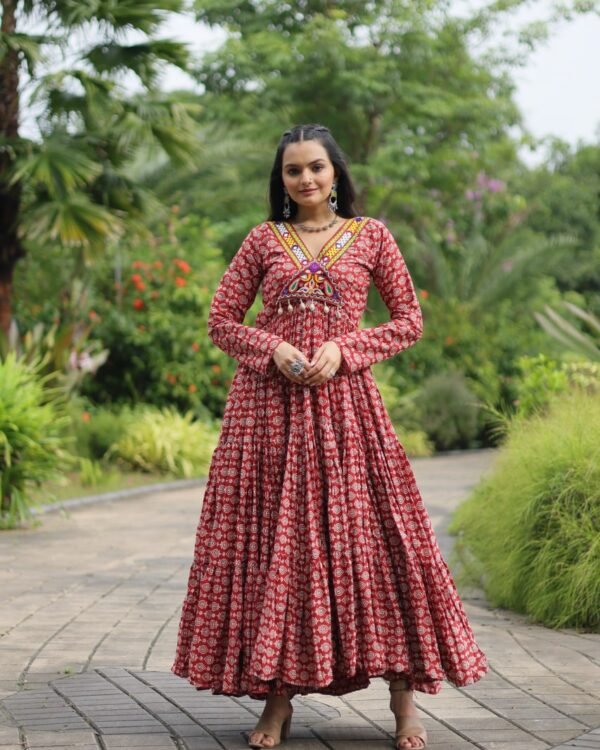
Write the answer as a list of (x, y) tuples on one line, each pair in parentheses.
[(153, 321)]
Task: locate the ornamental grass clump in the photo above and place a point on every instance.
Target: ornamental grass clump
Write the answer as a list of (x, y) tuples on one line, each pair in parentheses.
[(530, 532), (166, 442), (32, 423)]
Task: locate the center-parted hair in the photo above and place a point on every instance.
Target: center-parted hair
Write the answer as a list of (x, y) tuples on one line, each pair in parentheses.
[(345, 189)]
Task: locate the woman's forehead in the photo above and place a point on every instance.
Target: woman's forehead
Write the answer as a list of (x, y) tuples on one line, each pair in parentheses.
[(304, 152)]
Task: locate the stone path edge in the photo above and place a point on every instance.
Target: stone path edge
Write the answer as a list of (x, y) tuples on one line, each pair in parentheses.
[(178, 484), (148, 489)]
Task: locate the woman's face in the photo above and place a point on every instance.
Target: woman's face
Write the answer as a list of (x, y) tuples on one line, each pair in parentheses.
[(307, 172)]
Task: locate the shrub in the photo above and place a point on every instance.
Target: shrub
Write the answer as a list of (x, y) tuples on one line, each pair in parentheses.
[(153, 320), (415, 443), (166, 442), (448, 411), (96, 429), (32, 422), (542, 379), (530, 532), (403, 413)]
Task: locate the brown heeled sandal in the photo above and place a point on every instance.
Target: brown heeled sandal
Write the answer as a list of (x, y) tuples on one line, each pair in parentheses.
[(407, 726), (270, 727)]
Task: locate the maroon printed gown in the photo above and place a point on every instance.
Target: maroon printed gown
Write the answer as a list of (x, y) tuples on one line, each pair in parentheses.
[(315, 565)]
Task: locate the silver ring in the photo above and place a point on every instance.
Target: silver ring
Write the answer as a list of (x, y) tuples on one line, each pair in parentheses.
[(297, 366)]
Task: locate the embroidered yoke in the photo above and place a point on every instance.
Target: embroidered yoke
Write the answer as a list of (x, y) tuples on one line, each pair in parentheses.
[(315, 564)]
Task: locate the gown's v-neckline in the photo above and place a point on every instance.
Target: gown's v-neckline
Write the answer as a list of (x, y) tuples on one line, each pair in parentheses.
[(328, 243)]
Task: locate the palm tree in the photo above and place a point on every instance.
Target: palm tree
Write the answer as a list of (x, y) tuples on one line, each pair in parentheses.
[(483, 272), (585, 343), (69, 182)]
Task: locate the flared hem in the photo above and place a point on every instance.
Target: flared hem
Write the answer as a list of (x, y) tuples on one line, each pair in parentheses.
[(340, 686)]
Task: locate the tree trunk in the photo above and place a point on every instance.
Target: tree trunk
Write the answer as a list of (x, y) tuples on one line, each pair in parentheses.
[(10, 195)]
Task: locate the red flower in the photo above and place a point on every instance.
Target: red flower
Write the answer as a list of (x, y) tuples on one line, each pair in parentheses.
[(158, 264), (85, 416), (196, 346), (192, 388), (449, 340), (138, 264), (171, 378), (136, 278), (140, 286), (216, 368), (138, 303), (180, 281), (93, 315), (424, 293), (182, 265)]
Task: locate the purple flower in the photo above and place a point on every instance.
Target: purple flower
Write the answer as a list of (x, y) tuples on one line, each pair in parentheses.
[(496, 186)]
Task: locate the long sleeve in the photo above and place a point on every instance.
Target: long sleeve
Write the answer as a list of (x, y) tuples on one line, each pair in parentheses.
[(233, 297), (366, 346)]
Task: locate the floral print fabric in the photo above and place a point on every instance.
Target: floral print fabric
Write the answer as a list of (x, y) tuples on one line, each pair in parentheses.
[(315, 564)]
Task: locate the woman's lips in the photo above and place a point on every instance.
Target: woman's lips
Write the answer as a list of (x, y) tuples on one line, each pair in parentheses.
[(306, 192)]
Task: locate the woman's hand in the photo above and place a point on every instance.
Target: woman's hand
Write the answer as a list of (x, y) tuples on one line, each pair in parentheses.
[(284, 355), (324, 364)]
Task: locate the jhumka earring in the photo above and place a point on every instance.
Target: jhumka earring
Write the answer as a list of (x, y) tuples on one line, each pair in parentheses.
[(333, 204), (287, 211)]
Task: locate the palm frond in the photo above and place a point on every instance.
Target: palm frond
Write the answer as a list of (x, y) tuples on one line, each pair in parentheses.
[(141, 15), (520, 259), (73, 221), (143, 59), (28, 46), (588, 318), (570, 337), (57, 166)]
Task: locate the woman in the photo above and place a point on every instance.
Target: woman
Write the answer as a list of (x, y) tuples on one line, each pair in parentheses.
[(315, 564)]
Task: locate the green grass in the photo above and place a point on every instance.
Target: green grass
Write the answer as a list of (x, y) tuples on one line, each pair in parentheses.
[(530, 532)]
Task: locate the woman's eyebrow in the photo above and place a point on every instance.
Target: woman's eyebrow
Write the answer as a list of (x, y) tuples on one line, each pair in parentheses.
[(314, 161)]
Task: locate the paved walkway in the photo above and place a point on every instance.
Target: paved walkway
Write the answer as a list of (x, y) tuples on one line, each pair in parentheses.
[(89, 609)]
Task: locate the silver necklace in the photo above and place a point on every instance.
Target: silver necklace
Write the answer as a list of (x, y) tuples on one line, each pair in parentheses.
[(304, 228)]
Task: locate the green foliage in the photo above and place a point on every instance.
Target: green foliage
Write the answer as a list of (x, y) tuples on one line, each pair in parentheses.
[(71, 183), (378, 76), (155, 325), (562, 198), (406, 419), (586, 344), (32, 419), (164, 441), (543, 379), (91, 473), (95, 429), (530, 532), (416, 444), (448, 410)]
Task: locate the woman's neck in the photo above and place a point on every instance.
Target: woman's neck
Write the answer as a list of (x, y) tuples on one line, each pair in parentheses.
[(317, 215)]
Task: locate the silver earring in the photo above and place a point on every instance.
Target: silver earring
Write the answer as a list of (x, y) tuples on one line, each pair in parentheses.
[(333, 204), (287, 211)]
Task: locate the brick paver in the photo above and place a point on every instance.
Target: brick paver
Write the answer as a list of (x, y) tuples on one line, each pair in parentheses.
[(88, 617)]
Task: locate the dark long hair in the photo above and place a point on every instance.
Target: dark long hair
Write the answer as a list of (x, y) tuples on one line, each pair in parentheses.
[(345, 189)]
